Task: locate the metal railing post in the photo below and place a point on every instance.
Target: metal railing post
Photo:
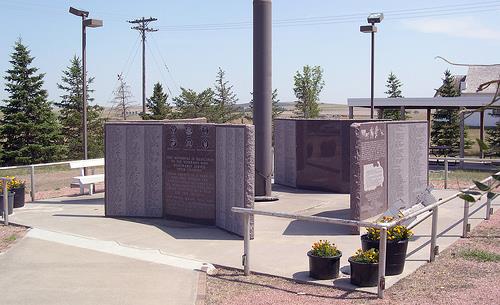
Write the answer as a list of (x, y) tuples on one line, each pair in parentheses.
[(32, 183), (433, 252), (246, 244), (488, 209), (381, 261), (445, 173), (465, 228)]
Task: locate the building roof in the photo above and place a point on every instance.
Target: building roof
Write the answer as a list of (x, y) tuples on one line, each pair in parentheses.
[(457, 81), (469, 102), (478, 75)]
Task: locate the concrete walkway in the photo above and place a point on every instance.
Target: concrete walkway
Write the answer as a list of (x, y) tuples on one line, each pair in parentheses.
[(279, 247), (40, 272)]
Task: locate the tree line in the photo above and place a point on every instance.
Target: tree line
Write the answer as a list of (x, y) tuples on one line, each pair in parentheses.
[(32, 132)]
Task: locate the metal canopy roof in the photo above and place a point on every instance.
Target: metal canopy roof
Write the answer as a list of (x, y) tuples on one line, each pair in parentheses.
[(469, 102)]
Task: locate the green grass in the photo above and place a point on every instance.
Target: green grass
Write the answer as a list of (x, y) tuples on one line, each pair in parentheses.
[(460, 175), (11, 238), (479, 255)]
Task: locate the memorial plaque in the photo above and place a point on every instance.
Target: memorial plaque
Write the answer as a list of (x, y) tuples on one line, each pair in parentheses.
[(133, 186), (285, 157), (190, 172), (407, 167), (369, 170)]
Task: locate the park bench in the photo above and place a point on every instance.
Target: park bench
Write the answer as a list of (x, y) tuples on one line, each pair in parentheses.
[(86, 180)]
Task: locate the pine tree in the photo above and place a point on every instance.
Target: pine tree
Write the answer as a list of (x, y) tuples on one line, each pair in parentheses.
[(393, 91), (277, 108), (493, 138), (224, 109), (70, 114), (446, 122), (158, 105), (121, 100), (307, 87), (30, 130), (190, 104)]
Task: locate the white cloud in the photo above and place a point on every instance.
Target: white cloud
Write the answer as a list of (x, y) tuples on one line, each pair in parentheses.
[(466, 27)]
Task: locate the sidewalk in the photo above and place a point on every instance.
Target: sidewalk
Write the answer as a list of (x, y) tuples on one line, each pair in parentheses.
[(39, 272), (279, 247)]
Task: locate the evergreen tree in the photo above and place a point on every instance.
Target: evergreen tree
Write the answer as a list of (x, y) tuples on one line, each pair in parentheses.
[(71, 111), (224, 101), (307, 87), (158, 105), (446, 122), (393, 91), (277, 108), (190, 104), (30, 130), (493, 138)]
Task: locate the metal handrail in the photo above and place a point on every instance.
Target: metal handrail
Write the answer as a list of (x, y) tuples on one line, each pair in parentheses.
[(32, 172), (384, 227)]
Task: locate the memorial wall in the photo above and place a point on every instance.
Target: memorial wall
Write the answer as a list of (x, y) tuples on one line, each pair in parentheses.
[(389, 166), (180, 171), (313, 154)]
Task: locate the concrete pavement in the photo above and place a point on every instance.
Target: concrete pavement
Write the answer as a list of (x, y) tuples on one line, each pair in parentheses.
[(279, 247), (39, 272)]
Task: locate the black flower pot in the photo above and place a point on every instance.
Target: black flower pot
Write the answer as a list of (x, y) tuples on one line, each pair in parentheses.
[(10, 204), (395, 255), (324, 268), (364, 274), (19, 197)]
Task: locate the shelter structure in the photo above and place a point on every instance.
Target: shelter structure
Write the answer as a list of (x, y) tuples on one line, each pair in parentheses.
[(469, 101)]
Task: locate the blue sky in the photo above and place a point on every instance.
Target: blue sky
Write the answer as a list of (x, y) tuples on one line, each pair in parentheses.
[(413, 33)]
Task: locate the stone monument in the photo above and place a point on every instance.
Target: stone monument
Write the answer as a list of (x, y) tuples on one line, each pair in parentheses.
[(179, 170), (389, 166), (313, 154)]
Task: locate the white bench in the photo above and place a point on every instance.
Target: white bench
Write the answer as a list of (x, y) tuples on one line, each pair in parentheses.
[(87, 180)]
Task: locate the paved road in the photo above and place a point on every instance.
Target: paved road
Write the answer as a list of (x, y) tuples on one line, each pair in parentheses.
[(41, 272)]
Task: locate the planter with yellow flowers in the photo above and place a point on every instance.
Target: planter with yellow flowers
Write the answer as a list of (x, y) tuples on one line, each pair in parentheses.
[(324, 260), (18, 187), (364, 268), (10, 199), (397, 245)]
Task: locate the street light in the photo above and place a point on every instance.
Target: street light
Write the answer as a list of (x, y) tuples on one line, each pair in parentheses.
[(372, 18), (91, 23)]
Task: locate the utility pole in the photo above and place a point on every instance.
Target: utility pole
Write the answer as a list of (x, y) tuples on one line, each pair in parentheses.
[(142, 27)]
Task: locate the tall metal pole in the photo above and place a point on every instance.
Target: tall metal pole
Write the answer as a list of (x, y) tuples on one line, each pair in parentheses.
[(84, 89), (372, 108), (262, 91)]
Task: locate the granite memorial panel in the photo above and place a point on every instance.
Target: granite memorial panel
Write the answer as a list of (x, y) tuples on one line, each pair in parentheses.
[(389, 166), (190, 172), (368, 170), (180, 170), (313, 154)]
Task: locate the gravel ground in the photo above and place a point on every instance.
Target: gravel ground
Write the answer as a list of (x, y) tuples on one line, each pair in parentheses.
[(452, 279), (9, 235)]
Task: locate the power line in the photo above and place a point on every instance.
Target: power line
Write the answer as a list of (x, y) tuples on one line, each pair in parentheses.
[(159, 69), (142, 27), (443, 10), (165, 64)]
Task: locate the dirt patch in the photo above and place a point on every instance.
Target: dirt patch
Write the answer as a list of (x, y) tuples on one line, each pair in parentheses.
[(452, 279), (9, 235)]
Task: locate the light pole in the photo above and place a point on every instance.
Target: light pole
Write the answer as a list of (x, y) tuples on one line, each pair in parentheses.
[(92, 23), (372, 18)]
